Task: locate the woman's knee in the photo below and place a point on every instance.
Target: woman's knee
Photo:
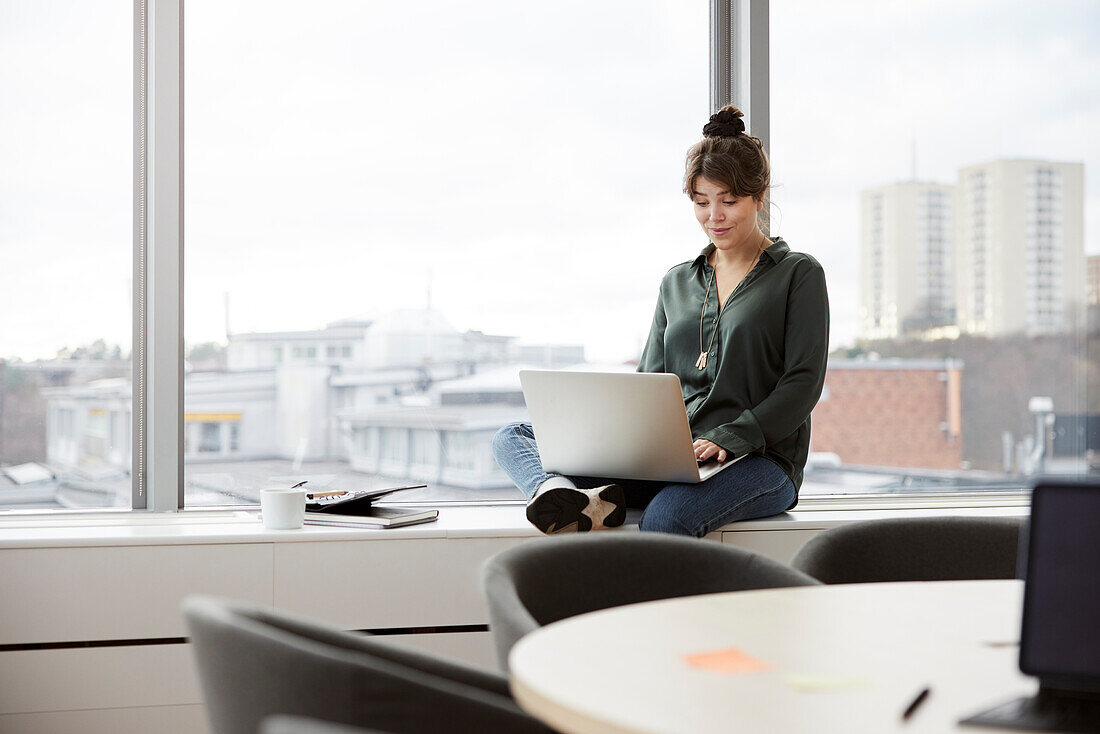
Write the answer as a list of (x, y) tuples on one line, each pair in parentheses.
[(504, 440), (661, 516)]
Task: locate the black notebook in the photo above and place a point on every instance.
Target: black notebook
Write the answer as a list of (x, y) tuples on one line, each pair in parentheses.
[(349, 502), (375, 517)]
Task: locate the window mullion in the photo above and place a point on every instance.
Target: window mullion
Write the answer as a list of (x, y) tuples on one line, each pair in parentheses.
[(163, 341), (139, 485), (752, 92), (722, 60), (739, 58), (740, 71)]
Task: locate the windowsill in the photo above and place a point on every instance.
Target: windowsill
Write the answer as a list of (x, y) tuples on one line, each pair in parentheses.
[(820, 519), (915, 501), (196, 527)]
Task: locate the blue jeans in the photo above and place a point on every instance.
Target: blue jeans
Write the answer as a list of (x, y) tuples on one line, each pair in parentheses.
[(753, 487)]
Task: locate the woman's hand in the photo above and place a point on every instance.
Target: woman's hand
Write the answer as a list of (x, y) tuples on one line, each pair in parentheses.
[(705, 449)]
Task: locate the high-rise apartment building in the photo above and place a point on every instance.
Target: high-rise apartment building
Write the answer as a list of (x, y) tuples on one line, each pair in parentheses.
[(905, 278), (1019, 262)]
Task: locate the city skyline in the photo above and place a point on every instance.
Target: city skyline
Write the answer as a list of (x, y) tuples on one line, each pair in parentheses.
[(863, 333)]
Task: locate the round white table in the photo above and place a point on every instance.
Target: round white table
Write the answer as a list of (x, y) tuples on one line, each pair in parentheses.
[(845, 658)]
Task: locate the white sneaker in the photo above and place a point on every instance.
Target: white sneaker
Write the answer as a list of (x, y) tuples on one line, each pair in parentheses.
[(568, 510)]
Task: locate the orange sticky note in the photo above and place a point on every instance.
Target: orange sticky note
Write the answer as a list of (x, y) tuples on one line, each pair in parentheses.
[(728, 660)]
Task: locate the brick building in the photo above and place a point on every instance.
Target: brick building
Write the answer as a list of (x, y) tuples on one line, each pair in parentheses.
[(891, 412)]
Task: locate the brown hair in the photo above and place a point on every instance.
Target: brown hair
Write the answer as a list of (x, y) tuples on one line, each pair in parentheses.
[(728, 156)]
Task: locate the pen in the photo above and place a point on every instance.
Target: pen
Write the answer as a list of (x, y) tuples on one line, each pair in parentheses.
[(916, 702), (315, 495)]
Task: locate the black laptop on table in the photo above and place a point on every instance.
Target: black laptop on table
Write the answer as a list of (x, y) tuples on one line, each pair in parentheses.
[(1060, 639)]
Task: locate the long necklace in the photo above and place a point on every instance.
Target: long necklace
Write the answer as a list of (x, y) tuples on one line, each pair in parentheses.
[(701, 363)]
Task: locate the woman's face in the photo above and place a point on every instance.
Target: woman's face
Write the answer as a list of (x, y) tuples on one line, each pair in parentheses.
[(729, 221)]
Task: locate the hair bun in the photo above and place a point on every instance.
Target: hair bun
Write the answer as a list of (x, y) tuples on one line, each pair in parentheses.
[(725, 123)]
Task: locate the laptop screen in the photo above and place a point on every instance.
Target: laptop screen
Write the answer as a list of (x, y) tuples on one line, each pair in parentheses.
[(1060, 641)]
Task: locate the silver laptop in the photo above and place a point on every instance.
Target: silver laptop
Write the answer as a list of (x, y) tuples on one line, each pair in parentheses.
[(613, 424)]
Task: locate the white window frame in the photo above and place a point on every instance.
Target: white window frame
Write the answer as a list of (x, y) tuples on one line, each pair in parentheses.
[(158, 256), (739, 62)]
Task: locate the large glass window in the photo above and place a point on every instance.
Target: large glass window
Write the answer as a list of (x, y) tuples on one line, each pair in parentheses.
[(66, 121), (392, 207), (390, 210), (935, 158)]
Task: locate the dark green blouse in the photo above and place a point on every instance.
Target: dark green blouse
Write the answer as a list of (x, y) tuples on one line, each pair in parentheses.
[(766, 366)]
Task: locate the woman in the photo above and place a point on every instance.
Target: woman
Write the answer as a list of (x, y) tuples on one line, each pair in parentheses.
[(745, 326)]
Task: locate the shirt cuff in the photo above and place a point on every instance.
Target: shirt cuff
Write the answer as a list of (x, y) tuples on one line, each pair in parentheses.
[(742, 436)]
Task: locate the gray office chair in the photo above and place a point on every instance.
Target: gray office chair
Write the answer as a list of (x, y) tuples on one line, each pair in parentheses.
[(549, 579), (254, 663), (913, 549)]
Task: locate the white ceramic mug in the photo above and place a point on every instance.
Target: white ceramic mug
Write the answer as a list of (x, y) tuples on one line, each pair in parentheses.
[(282, 508)]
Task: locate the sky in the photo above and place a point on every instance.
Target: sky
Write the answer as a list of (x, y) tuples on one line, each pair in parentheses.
[(516, 166)]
